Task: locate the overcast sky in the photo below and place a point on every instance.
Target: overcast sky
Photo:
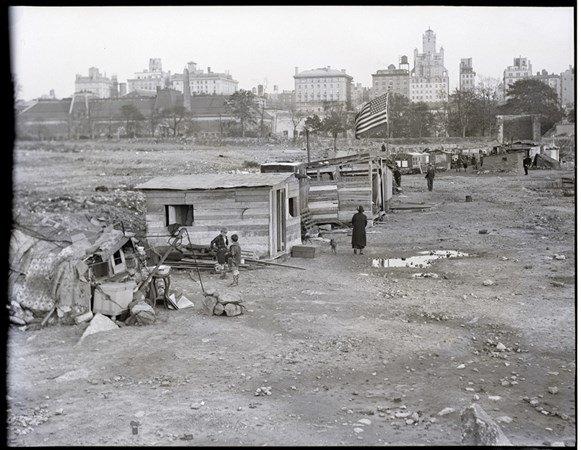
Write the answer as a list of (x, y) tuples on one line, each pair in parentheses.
[(261, 44)]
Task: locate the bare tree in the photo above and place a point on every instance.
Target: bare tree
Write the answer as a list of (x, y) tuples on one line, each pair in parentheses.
[(296, 117)]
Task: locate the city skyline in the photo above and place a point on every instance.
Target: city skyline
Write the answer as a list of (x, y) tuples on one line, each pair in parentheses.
[(270, 50)]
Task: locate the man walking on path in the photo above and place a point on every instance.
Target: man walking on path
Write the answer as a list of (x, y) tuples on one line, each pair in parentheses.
[(430, 175), (526, 164), (359, 238)]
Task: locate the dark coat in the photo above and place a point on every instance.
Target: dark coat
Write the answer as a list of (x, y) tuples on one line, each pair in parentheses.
[(359, 238), (219, 242), (430, 174)]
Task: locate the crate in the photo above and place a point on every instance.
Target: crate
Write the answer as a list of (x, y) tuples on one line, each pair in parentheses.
[(303, 251), (112, 299)]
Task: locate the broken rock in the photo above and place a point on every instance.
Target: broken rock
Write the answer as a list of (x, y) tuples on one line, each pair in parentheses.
[(479, 429), (446, 411), (100, 323)]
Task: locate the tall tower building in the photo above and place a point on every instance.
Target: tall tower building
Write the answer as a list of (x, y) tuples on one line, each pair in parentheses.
[(429, 77), (155, 64), (467, 75), (187, 92)]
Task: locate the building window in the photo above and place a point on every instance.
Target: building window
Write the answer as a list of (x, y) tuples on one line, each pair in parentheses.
[(293, 206), (179, 214)]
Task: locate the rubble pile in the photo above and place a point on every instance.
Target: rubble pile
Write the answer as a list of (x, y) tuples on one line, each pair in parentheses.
[(224, 303)]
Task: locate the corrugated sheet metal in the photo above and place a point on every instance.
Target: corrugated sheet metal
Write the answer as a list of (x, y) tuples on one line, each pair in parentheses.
[(215, 181)]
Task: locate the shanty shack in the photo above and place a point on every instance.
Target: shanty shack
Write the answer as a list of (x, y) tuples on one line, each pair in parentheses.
[(300, 171), (338, 186), (440, 160), (262, 208), (412, 162)]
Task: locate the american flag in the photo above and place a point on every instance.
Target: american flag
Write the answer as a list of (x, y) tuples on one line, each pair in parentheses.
[(372, 114)]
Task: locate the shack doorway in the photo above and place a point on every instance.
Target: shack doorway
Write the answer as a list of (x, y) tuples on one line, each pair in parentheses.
[(280, 226)]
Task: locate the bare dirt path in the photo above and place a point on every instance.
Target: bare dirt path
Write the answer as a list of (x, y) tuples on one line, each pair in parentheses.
[(344, 346)]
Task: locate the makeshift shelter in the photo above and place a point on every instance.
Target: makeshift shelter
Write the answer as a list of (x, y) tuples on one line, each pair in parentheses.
[(262, 208), (339, 185), (508, 161), (412, 162), (46, 275), (440, 160)]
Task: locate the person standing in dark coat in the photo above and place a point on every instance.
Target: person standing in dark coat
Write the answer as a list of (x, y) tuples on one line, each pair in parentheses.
[(526, 163), (359, 237), (397, 176), (430, 175), (383, 149)]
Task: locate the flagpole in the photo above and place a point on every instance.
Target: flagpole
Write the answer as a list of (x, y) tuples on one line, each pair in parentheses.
[(387, 122)]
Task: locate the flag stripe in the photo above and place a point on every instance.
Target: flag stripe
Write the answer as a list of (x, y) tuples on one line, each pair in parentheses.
[(372, 114)]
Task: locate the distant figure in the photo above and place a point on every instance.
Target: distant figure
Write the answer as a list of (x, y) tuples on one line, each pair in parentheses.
[(383, 149), (234, 259), (474, 162), (526, 164), (430, 175), (219, 245), (397, 176), (465, 164), (333, 245), (359, 238)]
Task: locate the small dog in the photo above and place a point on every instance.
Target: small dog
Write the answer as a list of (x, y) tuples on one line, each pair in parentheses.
[(333, 245)]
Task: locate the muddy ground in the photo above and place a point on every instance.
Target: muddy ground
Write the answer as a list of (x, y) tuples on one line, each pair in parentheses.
[(343, 346)]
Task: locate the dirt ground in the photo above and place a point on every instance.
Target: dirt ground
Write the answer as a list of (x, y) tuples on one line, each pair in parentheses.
[(345, 347)]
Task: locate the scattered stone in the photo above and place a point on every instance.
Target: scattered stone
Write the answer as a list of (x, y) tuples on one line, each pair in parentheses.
[(357, 430), (494, 398), (553, 390), (557, 444), (59, 412), (469, 389), (476, 397), (415, 417), (501, 347), (402, 415), (461, 366), (479, 429), (446, 411), (409, 422), (505, 383), (559, 257), (264, 390), (488, 282), (504, 419), (364, 421), (534, 402)]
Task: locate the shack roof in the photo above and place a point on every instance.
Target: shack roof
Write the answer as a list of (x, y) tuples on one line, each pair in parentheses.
[(215, 181)]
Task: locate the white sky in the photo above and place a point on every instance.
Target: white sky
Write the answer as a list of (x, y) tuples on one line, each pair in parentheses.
[(258, 43)]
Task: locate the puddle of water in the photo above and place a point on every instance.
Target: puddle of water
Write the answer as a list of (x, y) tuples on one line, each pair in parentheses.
[(424, 259)]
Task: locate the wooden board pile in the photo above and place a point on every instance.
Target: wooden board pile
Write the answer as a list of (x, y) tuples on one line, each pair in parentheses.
[(198, 256)]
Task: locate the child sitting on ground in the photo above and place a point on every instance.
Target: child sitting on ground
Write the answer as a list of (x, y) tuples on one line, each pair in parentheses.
[(234, 258)]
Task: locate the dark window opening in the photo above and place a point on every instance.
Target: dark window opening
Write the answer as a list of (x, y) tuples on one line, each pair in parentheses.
[(293, 206), (117, 257), (179, 214)]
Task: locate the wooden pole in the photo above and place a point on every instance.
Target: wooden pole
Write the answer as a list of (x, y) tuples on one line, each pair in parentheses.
[(308, 149)]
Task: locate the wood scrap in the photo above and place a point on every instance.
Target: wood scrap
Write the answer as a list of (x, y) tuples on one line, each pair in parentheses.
[(275, 264)]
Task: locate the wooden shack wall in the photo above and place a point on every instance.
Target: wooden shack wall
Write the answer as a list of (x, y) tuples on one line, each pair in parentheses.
[(503, 161), (353, 193), (293, 224), (244, 211), (323, 200)]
